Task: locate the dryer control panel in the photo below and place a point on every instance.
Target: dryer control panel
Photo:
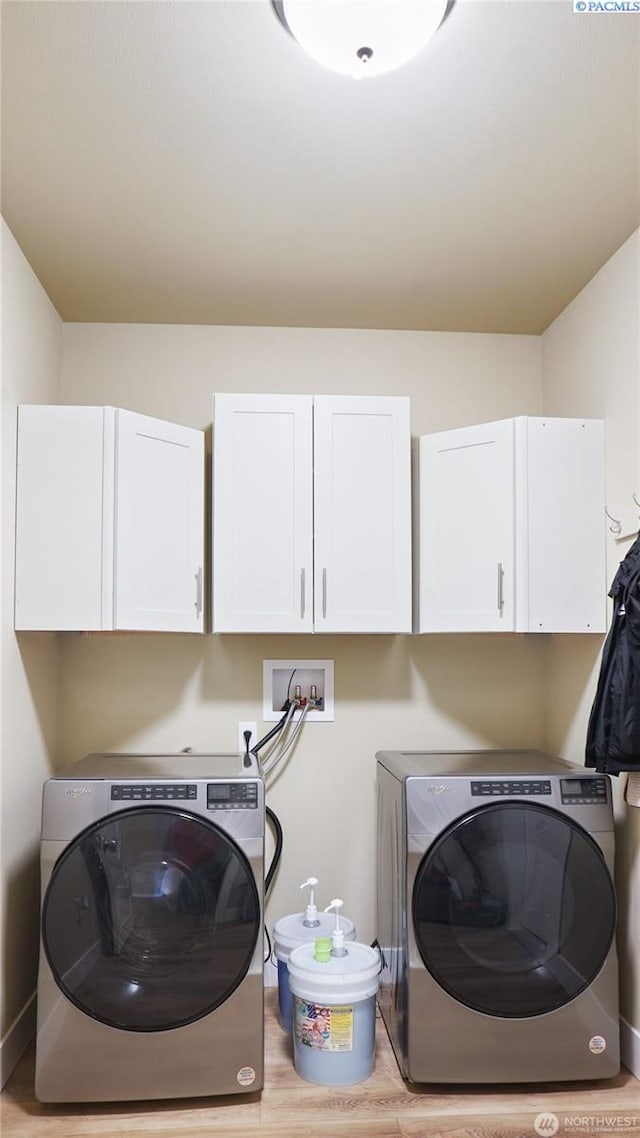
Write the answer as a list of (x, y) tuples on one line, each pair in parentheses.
[(583, 791), (232, 796), (141, 792), (490, 788)]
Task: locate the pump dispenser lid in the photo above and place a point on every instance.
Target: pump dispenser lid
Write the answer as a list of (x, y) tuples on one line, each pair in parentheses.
[(336, 980), (337, 936), (311, 913), (301, 928)]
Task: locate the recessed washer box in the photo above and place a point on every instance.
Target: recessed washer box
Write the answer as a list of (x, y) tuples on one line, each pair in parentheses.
[(280, 678)]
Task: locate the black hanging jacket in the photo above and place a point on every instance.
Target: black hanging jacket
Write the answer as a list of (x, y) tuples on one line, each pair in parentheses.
[(613, 733)]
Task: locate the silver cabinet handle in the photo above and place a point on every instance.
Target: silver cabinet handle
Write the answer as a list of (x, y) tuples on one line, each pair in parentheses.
[(324, 593), (500, 588), (198, 577), (302, 594)]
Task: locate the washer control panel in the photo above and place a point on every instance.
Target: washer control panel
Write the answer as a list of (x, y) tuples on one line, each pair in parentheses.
[(150, 792), (583, 791), (232, 796), (493, 788)]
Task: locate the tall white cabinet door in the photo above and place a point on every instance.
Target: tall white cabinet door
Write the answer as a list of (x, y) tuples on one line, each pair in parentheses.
[(467, 529), (562, 576), (362, 512), (63, 526), (159, 542), (262, 513)]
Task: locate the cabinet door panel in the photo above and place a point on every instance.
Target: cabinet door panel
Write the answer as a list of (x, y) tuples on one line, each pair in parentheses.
[(262, 513), (159, 543), (466, 519), (362, 514), (63, 533), (566, 582)]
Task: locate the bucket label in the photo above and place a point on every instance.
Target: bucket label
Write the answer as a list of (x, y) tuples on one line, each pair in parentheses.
[(322, 1028)]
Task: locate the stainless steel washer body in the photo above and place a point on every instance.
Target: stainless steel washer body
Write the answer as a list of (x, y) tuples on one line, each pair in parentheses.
[(496, 917), (151, 960)]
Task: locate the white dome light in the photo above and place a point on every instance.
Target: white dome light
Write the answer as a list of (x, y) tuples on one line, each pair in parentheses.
[(361, 38)]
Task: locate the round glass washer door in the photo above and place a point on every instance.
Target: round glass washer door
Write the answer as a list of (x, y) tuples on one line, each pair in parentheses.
[(150, 919), (514, 910)]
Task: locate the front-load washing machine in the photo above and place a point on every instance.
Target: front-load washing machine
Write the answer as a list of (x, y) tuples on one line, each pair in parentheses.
[(496, 917), (151, 961)]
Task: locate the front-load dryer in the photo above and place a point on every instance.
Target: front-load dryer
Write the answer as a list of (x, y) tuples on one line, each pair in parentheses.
[(151, 962), (496, 917)]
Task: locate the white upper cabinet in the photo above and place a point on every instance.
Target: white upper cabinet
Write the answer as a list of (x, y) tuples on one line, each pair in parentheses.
[(110, 521), (466, 522), (362, 514), (262, 513), (511, 527), (311, 514)]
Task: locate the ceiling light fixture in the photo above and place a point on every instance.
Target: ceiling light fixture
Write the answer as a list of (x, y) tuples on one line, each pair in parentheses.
[(361, 38)]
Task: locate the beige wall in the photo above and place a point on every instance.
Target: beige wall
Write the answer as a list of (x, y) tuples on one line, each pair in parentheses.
[(173, 691), (173, 370), (591, 366), (31, 345)]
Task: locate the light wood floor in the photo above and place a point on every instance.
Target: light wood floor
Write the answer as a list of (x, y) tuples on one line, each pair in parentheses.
[(381, 1107)]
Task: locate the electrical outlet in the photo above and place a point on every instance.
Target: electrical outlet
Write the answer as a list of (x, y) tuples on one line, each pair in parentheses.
[(253, 728)]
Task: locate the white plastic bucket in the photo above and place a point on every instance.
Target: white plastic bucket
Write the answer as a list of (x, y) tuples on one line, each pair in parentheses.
[(334, 1014), (291, 932)]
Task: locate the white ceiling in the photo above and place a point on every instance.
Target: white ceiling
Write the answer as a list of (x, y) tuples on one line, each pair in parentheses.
[(186, 162)]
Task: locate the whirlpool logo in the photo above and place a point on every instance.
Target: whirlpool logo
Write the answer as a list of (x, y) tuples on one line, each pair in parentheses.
[(437, 789), (78, 791)]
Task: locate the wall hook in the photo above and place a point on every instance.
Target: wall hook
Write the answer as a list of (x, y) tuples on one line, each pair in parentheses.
[(617, 524), (636, 499)]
